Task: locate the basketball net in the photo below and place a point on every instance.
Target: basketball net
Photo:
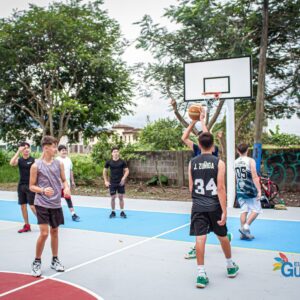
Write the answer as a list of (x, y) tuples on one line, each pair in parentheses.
[(211, 97)]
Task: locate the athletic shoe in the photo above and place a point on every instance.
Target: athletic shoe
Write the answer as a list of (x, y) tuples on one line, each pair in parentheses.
[(112, 214), (36, 268), (191, 254), (233, 271), (230, 236), (57, 266), (25, 228), (202, 282), (123, 215), (75, 218), (246, 234)]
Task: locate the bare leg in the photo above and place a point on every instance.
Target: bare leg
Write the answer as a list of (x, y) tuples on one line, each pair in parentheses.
[(25, 213), (200, 249), (44, 231), (113, 202), (225, 244), (54, 240), (243, 218), (121, 198), (33, 209), (253, 215)]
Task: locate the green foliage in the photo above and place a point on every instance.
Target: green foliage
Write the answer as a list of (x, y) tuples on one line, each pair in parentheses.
[(61, 71), (9, 174), (102, 149), (281, 139), (163, 134), (85, 170), (154, 180), (3, 158)]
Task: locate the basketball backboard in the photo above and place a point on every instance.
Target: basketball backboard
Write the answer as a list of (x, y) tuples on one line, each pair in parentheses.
[(231, 77)]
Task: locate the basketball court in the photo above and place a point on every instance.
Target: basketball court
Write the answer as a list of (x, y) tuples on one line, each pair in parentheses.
[(143, 256)]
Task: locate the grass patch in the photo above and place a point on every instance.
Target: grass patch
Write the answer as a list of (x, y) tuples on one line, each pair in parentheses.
[(9, 174)]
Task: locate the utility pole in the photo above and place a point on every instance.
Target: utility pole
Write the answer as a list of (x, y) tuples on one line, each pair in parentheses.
[(259, 119)]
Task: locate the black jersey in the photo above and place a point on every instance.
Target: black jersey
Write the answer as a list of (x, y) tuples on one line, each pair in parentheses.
[(204, 169), (24, 169), (116, 170)]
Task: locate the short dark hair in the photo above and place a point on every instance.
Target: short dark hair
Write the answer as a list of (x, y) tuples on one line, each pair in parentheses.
[(114, 148), (242, 148), (23, 144), (206, 140), (61, 147), (48, 140)]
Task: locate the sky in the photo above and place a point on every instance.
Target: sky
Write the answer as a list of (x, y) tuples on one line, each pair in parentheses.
[(126, 12)]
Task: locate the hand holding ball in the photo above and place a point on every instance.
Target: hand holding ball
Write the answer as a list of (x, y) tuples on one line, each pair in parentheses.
[(194, 111)]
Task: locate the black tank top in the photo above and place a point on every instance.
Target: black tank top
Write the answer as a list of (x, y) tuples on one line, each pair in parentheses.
[(24, 169), (204, 170)]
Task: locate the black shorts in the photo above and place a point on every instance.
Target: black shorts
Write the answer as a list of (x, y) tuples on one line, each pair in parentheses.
[(25, 196), (116, 188), (52, 216), (203, 223)]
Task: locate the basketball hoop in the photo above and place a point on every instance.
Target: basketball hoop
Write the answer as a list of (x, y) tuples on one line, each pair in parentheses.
[(212, 95)]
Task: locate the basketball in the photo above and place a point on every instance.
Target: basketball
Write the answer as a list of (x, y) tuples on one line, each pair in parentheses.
[(195, 111)]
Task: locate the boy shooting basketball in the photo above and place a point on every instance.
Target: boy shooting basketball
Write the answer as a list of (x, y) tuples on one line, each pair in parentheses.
[(209, 212)]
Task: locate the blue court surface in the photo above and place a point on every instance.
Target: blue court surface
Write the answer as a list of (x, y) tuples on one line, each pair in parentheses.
[(275, 235)]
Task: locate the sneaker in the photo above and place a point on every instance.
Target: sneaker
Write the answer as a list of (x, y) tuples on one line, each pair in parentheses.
[(75, 218), (112, 214), (233, 271), (202, 282), (57, 266), (36, 268), (25, 228), (123, 215), (246, 234), (191, 254), (230, 236)]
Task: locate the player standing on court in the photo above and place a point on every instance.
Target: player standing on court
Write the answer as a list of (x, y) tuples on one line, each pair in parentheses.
[(248, 190), (68, 166), (25, 196), (116, 184), (209, 212), (46, 177)]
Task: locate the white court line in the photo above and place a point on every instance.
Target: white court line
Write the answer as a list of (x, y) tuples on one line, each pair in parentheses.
[(94, 260), (60, 280)]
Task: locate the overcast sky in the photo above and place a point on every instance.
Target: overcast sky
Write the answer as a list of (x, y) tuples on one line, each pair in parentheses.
[(126, 12)]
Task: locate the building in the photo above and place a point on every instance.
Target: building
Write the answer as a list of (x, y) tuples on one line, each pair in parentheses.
[(128, 134)]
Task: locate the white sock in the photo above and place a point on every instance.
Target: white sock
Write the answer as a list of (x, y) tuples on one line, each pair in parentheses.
[(246, 226), (73, 213), (201, 270), (229, 262)]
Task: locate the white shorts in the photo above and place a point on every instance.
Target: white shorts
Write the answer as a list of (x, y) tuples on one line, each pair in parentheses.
[(249, 205)]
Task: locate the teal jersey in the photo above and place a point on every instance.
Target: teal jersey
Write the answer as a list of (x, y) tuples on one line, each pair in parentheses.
[(245, 187)]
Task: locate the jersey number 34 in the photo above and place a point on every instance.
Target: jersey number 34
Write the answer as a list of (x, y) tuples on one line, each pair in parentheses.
[(200, 189)]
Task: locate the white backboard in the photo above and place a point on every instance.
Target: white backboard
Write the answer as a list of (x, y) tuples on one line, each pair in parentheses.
[(232, 77)]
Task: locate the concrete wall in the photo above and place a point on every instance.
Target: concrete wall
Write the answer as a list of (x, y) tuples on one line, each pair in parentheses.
[(173, 164), (283, 166)]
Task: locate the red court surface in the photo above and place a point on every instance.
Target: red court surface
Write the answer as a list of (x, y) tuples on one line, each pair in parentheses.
[(41, 288)]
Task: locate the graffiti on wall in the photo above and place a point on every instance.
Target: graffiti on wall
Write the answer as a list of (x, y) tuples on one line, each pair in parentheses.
[(284, 169)]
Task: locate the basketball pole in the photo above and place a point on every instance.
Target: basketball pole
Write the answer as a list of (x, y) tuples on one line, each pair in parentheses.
[(230, 153)]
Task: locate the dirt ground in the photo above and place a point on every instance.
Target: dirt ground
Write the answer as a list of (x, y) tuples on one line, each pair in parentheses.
[(141, 191)]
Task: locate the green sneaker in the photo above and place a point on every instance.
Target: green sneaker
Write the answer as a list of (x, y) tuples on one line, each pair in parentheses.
[(232, 272), (230, 236), (191, 254), (202, 282)]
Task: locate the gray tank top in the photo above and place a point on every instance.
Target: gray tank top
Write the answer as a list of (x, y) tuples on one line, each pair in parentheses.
[(48, 176)]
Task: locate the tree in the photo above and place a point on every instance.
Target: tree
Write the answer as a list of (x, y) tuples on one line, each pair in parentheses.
[(61, 72), (214, 29), (163, 134)]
